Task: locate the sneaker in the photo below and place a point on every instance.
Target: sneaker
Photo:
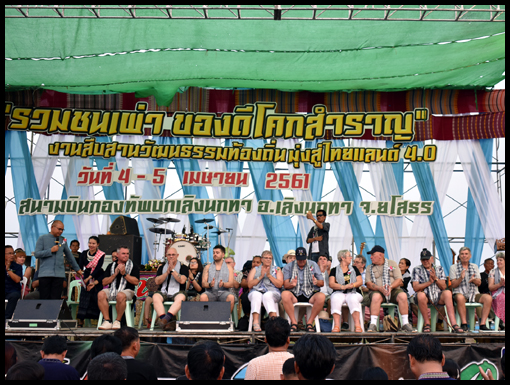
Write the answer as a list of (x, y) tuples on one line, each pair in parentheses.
[(116, 325), (106, 325), (484, 328), (408, 328), (372, 328), (170, 326)]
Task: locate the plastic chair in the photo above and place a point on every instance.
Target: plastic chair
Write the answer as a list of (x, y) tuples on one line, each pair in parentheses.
[(73, 305), (352, 327), (308, 307), (470, 313), (391, 310), (130, 319), (433, 320), (250, 325), (23, 286), (166, 305), (496, 323)]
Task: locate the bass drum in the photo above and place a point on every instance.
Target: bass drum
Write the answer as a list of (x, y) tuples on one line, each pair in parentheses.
[(185, 250)]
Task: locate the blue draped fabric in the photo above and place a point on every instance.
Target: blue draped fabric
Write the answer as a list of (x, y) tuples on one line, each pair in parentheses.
[(200, 192), (279, 230), (24, 186), (360, 225), (428, 192), (475, 237)]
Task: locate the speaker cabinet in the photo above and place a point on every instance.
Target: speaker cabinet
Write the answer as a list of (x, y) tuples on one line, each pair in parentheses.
[(205, 316), (108, 243), (125, 226), (42, 314)]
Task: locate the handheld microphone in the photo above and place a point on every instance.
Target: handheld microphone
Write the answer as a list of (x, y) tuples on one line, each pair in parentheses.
[(56, 241)]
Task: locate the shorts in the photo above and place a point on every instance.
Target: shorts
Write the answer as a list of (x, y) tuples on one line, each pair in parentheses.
[(477, 297), (303, 298), (393, 296), (169, 298), (129, 293), (414, 299), (218, 296)]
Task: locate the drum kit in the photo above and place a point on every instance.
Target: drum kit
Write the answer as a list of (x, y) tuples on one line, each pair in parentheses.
[(188, 245)]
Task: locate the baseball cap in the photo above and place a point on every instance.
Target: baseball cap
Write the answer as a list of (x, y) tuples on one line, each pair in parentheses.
[(376, 248), (425, 254), (300, 254)]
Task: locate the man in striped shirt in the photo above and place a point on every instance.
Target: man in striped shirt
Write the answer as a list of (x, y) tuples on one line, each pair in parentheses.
[(269, 366)]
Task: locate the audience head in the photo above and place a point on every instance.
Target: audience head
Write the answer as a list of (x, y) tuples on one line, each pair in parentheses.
[(376, 373), (267, 258), (344, 255), (256, 261), (196, 263), (230, 261), (57, 228), (323, 262), (9, 253), (74, 245), (290, 256), (21, 256), (26, 371), (105, 343), (301, 258), (464, 254), (360, 262), (10, 356), (114, 255), (488, 264), (247, 267), (404, 264), (500, 260), (277, 332), (130, 340), (218, 253), (425, 354), (315, 357), (377, 255), (288, 370), (452, 368), (107, 367), (54, 347), (206, 361)]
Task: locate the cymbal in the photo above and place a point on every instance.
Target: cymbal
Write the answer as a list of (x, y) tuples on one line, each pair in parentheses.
[(208, 227), (154, 220), (205, 220), (219, 232), (173, 220), (158, 230)]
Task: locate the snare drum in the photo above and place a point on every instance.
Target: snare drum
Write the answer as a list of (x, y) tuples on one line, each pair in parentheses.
[(185, 250)]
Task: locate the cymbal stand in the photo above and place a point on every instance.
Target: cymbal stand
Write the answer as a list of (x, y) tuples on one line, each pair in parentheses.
[(229, 236)]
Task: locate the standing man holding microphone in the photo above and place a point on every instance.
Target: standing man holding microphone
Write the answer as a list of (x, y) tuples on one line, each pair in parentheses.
[(51, 249)]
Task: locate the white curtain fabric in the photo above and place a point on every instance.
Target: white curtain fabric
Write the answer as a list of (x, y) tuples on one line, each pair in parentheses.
[(482, 187), (442, 170)]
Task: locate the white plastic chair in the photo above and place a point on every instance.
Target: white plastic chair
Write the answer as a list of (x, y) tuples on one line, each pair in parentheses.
[(308, 307), (250, 325), (352, 326), (23, 286)]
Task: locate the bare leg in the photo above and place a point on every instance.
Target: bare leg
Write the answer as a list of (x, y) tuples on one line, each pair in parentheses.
[(102, 303), (461, 307), (288, 301), (422, 305), (121, 305), (317, 301)]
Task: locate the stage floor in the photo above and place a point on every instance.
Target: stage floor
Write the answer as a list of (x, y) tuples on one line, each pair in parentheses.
[(78, 334)]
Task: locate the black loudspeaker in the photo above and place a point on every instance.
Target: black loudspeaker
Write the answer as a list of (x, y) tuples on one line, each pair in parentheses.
[(205, 316), (45, 314), (108, 243), (125, 226)]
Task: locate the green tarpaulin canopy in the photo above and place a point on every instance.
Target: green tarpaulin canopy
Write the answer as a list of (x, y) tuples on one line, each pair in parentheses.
[(159, 56)]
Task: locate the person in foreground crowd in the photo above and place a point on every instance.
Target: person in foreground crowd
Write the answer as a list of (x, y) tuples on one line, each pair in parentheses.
[(426, 358), (374, 374), (383, 278), (25, 371), (91, 262), (122, 276), (171, 278), (10, 356), (107, 367), (497, 286), (218, 278), (302, 283), (465, 279), (53, 352), (452, 368), (264, 282), (137, 370), (13, 273), (345, 280), (315, 357), (103, 344), (289, 370), (429, 283), (51, 249), (206, 361), (269, 366), (318, 237)]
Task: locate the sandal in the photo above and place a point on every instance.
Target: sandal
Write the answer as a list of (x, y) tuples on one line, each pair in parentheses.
[(358, 329), (256, 327), (294, 328), (426, 328), (457, 329), (310, 328), (336, 329)]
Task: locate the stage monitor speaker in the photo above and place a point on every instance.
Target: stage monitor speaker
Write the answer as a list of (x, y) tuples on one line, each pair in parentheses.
[(125, 226), (205, 316), (108, 243), (43, 314)]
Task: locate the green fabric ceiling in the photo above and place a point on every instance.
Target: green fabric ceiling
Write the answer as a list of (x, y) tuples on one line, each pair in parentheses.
[(94, 56)]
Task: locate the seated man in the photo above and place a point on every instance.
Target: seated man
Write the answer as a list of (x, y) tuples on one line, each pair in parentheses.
[(383, 279), (123, 277), (13, 273), (218, 278), (429, 283), (171, 278), (302, 282), (465, 279)]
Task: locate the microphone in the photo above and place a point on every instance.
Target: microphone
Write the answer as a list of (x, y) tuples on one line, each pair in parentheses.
[(56, 241)]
